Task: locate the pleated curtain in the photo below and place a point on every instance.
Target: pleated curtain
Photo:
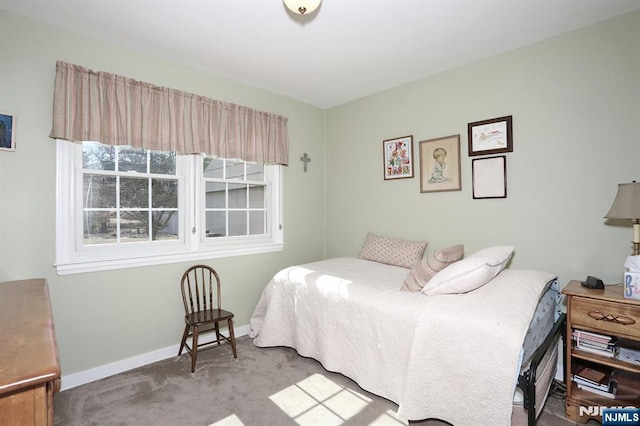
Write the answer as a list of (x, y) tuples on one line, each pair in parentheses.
[(115, 110)]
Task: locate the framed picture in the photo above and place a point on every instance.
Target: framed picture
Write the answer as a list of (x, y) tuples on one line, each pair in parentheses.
[(489, 177), (7, 132), (490, 136), (440, 164), (398, 157)]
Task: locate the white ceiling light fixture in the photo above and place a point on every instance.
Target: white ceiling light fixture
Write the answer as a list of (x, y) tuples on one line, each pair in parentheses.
[(302, 7)]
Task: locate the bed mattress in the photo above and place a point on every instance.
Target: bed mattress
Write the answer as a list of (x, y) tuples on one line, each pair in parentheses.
[(349, 314)]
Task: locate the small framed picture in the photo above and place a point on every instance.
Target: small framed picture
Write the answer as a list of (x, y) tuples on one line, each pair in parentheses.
[(7, 132), (490, 136), (489, 177), (398, 157), (440, 164)]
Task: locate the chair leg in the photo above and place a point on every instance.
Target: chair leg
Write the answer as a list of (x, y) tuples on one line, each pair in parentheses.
[(194, 349), (233, 338), (184, 339), (217, 327)]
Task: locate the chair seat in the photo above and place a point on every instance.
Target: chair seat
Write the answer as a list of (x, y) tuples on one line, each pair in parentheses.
[(208, 316)]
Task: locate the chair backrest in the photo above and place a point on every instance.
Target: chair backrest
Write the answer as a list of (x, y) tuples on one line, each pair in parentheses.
[(200, 287)]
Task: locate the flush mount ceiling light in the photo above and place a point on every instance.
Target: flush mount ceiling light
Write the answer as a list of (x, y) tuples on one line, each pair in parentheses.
[(302, 7)]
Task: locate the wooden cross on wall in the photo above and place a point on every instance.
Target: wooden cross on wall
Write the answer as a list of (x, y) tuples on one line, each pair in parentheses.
[(305, 159)]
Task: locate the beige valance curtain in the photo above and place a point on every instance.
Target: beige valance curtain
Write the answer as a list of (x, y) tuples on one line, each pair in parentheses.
[(115, 110)]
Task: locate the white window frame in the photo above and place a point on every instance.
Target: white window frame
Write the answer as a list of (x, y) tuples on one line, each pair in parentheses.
[(72, 256)]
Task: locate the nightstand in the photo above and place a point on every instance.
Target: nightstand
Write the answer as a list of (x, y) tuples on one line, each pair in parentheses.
[(604, 312)]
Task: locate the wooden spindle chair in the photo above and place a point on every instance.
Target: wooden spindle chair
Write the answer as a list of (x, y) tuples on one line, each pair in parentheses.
[(200, 286)]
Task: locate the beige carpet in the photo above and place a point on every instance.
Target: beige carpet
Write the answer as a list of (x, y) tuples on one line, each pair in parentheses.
[(272, 386)]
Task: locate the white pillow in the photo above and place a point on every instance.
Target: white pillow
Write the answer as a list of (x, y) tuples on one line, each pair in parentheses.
[(469, 273)]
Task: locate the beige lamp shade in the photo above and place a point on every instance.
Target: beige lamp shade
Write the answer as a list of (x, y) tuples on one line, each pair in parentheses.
[(302, 7), (627, 206), (627, 202)]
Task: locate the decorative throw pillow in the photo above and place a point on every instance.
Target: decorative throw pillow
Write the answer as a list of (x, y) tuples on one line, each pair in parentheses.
[(471, 272), (430, 265), (392, 251)]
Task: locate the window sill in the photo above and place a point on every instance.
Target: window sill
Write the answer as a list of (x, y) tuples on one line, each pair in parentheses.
[(82, 266)]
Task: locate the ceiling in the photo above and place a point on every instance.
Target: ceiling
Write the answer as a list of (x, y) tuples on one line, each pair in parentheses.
[(347, 49)]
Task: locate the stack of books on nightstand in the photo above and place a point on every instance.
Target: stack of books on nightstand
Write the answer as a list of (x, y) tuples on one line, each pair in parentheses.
[(594, 343), (595, 381)]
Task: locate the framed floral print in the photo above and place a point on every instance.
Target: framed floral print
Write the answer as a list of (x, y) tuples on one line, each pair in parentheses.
[(398, 157)]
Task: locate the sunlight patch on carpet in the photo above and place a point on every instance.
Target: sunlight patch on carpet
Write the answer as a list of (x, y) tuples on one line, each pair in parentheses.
[(231, 420), (318, 400)]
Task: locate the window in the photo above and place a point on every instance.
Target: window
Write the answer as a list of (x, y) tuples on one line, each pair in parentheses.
[(128, 195), (121, 207), (235, 203)]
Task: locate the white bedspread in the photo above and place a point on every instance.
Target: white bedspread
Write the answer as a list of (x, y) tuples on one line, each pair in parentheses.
[(451, 357)]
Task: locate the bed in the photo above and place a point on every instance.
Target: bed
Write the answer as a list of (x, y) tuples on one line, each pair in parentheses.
[(486, 356)]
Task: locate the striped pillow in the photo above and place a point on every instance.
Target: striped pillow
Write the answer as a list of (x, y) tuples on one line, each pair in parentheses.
[(430, 265)]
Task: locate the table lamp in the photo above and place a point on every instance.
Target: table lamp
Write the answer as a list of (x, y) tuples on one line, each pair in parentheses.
[(627, 206)]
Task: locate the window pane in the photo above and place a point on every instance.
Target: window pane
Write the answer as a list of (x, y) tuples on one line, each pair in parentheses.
[(164, 225), (99, 191), (234, 169), (99, 228), (257, 223), (242, 207), (237, 223), (237, 196), (256, 196), (163, 163), (216, 225), (131, 159), (96, 156), (164, 193), (215, 195), (255, 171), (213, 167), (134, 226), (134, 193)]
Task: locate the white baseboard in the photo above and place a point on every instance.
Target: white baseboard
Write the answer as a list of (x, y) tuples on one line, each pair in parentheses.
[(93, 374), (97, 373)]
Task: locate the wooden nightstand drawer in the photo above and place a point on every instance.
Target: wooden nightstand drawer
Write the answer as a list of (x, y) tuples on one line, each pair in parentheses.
[(617, 318)]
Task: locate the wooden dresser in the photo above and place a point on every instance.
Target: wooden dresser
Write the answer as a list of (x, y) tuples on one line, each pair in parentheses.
[(29, 365)]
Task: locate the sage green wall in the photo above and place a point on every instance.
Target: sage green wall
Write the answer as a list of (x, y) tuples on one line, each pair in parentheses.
[(109, 316), (575, 101)]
